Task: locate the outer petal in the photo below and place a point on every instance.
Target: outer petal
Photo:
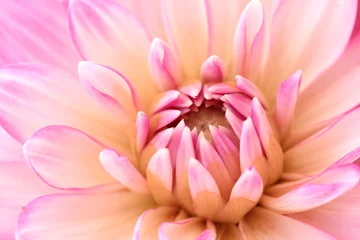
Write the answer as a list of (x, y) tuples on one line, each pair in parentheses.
[(27, 36), (326, 147), (222, 19), (66, 158), (333, 92), (315, 192), (92, 215), (45, 95), (322, 31), (19, 185), (148, 223), (149, 15), (188, 35), (264, 224), (105, 32), (188, 229), (340, 217)]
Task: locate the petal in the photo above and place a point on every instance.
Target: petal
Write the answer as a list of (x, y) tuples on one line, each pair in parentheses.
[(111, 89), (19, 185), (65, 157), (82, 215), (163, 65), (10, 149), (227, 150), (340, 217), (189, 35), (188, 229), (333, 92), (286, 101), (122, 170), (316, 37), (326, 147), (316, 192), (213, 70), (148, 223), (142, 131), (264, 224), (46, 95), (26, 37), (159, 176), (248, 88), (220, 14), (248, 32), (95, 27), (149, 15)]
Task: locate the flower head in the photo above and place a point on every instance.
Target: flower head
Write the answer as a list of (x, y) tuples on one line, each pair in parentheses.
[(183, 120)]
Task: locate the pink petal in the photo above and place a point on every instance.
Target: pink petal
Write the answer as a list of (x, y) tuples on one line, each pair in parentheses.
[(200, 180), (192, 90), (261, 124), (65, 157), (264, 224), (111, 89), (142, 131), (316, 192), (333, 92), (212, 70), (163, 118), (239, 102), (339, 217), (188, 229), (19, 185), (220, 14), (213, 163), (235, 122), (26, 37), (188, 36), (82, 215), (166, 100), (148, 223), (248, 30), (286, 102), (124, 171), (248, 186), (336, 141), (318, 27), (151, 19), (228, 152), (159, 176), (53, 97), (10, 149), (248, 88), (163, 65), (95, 30), (250, 148), (175, 140), (160, 166)]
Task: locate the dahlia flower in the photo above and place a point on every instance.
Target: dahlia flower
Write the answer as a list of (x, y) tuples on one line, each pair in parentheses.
[(169, 119)]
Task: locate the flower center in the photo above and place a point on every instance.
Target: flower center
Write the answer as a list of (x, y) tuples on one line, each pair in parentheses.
[(216, 145)]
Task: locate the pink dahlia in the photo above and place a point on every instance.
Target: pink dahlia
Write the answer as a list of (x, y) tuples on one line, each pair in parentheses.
[(179, 119)]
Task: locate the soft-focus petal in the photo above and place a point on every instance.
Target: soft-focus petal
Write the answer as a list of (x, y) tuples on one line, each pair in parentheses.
[(264, 224), (95, 26), (122, 170), (185, 229), (98, 214), (16, 192), (188, 35), (65, 157), (27, 37), (110, 89), (315, 192), (320, 30), (148, 223), (332, 93), (45, 95), (340, 217), (326, 147)]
